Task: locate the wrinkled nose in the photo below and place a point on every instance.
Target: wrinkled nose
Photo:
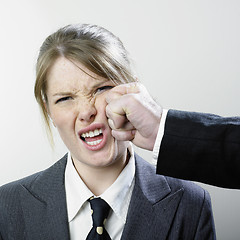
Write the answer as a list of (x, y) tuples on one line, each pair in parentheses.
[(87, 111)]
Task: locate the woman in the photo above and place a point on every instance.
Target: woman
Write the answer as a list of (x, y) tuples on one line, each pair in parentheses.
[(76, 68)]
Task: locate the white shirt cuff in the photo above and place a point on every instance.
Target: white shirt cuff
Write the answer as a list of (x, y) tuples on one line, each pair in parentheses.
[(159, 136)]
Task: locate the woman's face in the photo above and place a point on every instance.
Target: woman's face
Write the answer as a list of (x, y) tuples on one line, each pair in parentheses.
[(76, 105)]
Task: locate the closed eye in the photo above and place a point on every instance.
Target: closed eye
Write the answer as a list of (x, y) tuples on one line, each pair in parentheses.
[(104, 88), (63, 99)]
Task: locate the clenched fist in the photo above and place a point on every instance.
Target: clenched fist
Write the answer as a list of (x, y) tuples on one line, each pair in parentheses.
[(133, 115)]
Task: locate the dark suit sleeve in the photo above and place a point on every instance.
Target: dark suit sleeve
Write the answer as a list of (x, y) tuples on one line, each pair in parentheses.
[(201, 147)]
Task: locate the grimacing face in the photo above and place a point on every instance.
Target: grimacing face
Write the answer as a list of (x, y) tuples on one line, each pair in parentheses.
[(76, 105)]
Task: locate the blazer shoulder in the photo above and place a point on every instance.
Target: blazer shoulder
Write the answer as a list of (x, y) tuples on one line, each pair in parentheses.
[(30, 195), (10, 201), (181, 208), (148, 173), (191, 191), (13, 186), (10, 191), (156, 186)]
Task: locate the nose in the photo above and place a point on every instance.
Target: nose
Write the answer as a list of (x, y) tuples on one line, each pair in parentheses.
[(87, 111)]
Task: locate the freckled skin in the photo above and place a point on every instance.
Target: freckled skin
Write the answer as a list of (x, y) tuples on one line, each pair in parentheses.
[(76, 99)]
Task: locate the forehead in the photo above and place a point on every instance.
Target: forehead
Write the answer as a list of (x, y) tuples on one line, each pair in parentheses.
[(71, 76)]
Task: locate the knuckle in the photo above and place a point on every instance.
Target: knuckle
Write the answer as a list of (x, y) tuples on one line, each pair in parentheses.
[(108, 111)]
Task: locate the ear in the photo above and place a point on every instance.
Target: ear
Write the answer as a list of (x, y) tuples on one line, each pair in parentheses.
[(48, 112)]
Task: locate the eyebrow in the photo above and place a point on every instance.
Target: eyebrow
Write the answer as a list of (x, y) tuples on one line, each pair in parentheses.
[(75, 92), (65, 93)]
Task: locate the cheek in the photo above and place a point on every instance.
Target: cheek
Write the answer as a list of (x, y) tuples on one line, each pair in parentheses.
[(62, 118)]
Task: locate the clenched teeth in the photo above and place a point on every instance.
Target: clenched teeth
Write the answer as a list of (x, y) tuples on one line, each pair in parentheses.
[(94, 133), (94, 142)]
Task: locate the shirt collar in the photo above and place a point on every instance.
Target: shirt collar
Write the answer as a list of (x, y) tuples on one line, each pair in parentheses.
[(76, 191), (118, 195)]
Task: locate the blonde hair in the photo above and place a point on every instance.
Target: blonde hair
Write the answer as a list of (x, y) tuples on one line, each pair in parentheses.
[(93, 46)]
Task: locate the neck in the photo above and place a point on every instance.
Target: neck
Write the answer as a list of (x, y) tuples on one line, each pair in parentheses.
[(98, 179)]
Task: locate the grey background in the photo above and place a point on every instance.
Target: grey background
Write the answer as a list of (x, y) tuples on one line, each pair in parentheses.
[(186, 52)]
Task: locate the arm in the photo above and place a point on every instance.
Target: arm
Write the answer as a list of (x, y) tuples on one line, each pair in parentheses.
[(198, 147), (201, 147)]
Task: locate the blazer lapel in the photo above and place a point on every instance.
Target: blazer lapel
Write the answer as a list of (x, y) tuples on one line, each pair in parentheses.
[(152, 207), (44, 204)]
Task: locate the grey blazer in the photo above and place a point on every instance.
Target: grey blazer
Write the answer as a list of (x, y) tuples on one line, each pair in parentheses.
[(34, 208)]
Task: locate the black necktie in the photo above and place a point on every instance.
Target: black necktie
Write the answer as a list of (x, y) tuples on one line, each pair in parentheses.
[(100, 210)]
